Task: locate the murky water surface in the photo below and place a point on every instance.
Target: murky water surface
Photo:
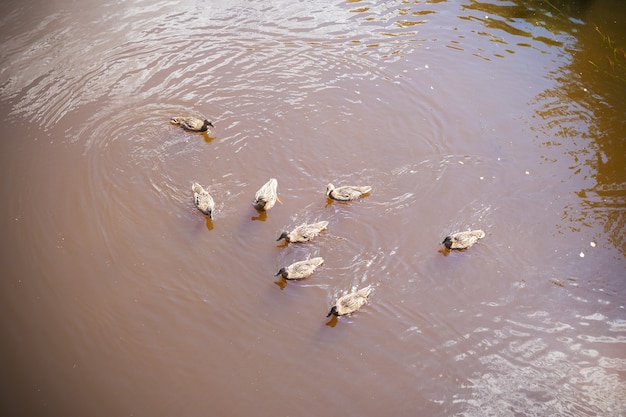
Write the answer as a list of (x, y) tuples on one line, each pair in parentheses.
[(119, 298)]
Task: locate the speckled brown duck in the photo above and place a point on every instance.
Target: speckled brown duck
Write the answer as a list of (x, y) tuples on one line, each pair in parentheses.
[(301, 269), (203, 200), (304, 232), (347, 192), (350, 303), (192, 124), (266, 197), (463, 240)]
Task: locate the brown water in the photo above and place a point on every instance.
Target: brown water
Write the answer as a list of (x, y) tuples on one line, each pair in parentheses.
[(119, 298)]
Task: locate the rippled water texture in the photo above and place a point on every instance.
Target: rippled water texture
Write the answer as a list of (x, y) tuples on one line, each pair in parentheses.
[(120, 298)]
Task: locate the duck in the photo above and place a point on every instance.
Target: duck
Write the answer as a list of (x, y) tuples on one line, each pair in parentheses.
[(192, 124), (203, 200), (347, 192), (304, 232), (301, 269), (350, 303), (266, 197), (463, 240)]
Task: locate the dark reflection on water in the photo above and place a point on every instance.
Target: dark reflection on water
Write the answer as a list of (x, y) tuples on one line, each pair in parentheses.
[(332, 322), (261, 216), (120, 298)]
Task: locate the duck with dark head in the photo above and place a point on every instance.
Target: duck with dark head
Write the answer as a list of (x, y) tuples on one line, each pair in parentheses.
[(192, 124)]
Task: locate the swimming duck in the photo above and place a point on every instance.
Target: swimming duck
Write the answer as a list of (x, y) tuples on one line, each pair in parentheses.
[(203, 200), (350, 303), (462, 240), (301, 269), (266, 197), (347, 192), (304, 232), (192, 123)]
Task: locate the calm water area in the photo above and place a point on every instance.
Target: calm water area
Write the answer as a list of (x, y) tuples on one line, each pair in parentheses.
[(119, 298)]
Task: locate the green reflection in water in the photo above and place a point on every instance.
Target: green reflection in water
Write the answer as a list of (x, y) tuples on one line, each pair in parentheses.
[(584, 114)]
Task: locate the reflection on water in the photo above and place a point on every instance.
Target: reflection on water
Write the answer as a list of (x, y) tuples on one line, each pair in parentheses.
[(119, 297), (593, 150)]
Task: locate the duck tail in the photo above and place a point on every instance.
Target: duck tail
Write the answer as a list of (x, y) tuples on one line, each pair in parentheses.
[(365, 292), (332, 311)]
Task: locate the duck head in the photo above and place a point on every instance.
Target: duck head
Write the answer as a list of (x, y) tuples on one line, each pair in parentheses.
[(259, 203), (329, 189)]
